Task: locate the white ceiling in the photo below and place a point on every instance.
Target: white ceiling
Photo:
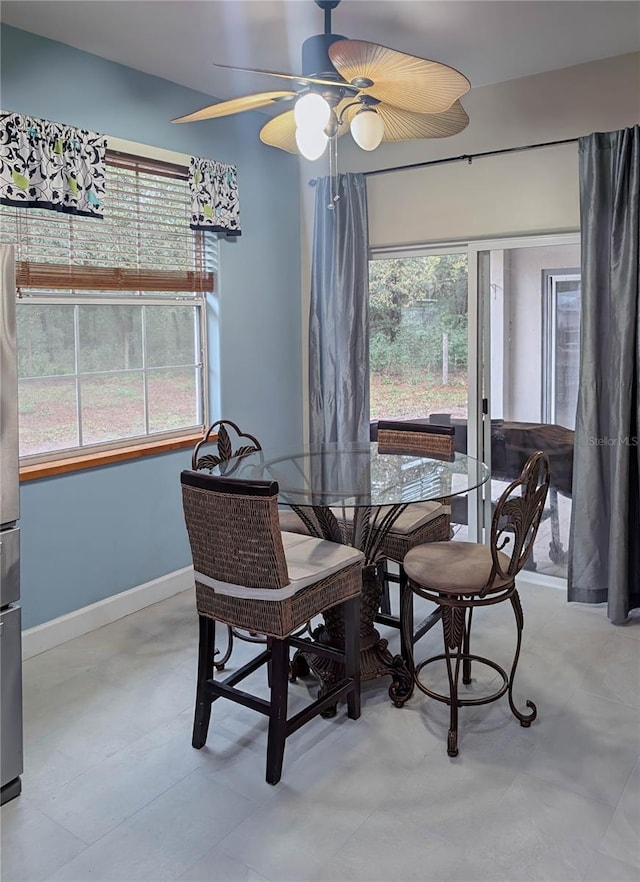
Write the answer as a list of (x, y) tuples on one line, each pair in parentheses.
[(488, 40)]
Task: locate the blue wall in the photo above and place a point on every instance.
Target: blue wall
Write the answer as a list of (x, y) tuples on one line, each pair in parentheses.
[(90, 534), (96, 533)]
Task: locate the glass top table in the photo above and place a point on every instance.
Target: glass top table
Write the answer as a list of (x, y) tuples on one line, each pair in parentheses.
[(353, 493), (358, 475)]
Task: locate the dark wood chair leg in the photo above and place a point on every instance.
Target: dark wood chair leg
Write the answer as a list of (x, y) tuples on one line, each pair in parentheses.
[(352, 654), (406, 621), (385, 597), (278, 715), (269, 666), (206, 652)]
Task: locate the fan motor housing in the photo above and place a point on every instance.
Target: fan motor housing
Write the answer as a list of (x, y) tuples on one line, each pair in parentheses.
[(315, 56)]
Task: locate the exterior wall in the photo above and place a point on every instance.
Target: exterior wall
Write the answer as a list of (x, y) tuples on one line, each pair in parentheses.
[(93, 534)]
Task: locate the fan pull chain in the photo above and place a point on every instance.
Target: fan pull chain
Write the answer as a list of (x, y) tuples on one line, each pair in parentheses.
[(333, 172)]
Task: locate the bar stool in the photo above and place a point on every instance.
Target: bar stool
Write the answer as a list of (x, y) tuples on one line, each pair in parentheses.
[(460, 576)]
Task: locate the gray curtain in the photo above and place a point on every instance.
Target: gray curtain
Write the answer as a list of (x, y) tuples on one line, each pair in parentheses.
[(338, 329), (604, 560)]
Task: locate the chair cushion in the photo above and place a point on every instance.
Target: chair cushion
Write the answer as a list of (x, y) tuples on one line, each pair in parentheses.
[(414, 516), (290, 522), (453, 567), (395, 546), (309, 560)]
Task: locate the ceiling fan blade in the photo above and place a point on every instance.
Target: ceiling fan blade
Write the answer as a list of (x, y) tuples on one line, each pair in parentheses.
[(405, 81), (303, 81), (281, 130), (403, 125), (236, 105)]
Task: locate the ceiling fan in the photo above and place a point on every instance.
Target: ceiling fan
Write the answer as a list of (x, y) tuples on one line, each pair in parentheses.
[(377, 93)]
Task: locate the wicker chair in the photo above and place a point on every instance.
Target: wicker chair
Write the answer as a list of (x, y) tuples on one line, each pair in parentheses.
[(251, 575), (222, 442), (420, 522), (460, 576)]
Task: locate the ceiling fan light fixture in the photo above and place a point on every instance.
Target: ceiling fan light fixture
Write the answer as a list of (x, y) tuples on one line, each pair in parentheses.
[(373, 91), (367, 128), (312, 142), (311, 111)]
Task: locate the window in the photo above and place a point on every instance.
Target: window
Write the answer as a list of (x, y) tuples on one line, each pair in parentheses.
[(561, 345), (110, 315)]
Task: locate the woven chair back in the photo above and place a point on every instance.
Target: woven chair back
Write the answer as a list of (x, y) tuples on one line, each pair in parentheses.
[(221, 442), (517, 517), (234, 530), (416, 439)]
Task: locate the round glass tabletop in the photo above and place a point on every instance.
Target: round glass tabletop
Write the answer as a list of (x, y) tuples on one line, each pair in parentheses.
[(354, 475)]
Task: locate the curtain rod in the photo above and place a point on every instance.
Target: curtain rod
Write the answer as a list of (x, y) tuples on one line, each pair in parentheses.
[(468, 156)]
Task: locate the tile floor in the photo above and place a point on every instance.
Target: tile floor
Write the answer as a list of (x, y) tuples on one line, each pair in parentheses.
[(113, 790)]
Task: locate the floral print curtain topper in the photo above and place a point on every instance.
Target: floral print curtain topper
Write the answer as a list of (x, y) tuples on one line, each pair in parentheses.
[(49, 165), (214, 196)]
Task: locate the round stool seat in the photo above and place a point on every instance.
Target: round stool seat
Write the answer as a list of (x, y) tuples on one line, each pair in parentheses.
[(455, 568)]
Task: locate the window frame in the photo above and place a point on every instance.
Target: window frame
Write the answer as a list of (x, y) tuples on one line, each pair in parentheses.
[(550, 278), (48, 463), (134, 441)]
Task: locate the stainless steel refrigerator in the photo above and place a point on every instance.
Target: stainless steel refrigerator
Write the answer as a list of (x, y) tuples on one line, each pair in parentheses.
[(10, 625)]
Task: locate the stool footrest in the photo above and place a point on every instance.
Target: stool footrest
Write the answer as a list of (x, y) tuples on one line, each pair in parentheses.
[(463, 702)]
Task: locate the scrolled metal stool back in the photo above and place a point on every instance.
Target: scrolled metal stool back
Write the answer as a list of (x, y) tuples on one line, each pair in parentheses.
[(217, 435), (517, 517)]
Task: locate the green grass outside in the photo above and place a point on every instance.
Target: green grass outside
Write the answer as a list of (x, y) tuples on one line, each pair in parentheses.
[(396, 397), (112, 408)]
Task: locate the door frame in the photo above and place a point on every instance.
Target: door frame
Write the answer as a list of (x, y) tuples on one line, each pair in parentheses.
[(479, 346), (474, 384), (479, 295)]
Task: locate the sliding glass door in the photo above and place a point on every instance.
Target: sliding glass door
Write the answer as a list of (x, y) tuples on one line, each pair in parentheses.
[(528, 291), (418, 337), (486, 337), (423, 343)]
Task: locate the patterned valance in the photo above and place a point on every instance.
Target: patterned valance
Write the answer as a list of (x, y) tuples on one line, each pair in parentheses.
[(214, 196), (49, 165)]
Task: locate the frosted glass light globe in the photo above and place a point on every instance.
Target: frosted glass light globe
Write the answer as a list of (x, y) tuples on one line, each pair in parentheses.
[(311, 111), (367, 129), (311, 142)]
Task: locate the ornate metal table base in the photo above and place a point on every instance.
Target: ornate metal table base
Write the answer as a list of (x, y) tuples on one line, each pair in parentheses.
[(375, 659)]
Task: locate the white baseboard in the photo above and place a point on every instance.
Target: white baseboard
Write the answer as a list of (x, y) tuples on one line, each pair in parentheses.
[(81, 621), (89, 618)]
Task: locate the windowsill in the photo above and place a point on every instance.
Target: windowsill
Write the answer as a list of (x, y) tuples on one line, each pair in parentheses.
[(55, 467)]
